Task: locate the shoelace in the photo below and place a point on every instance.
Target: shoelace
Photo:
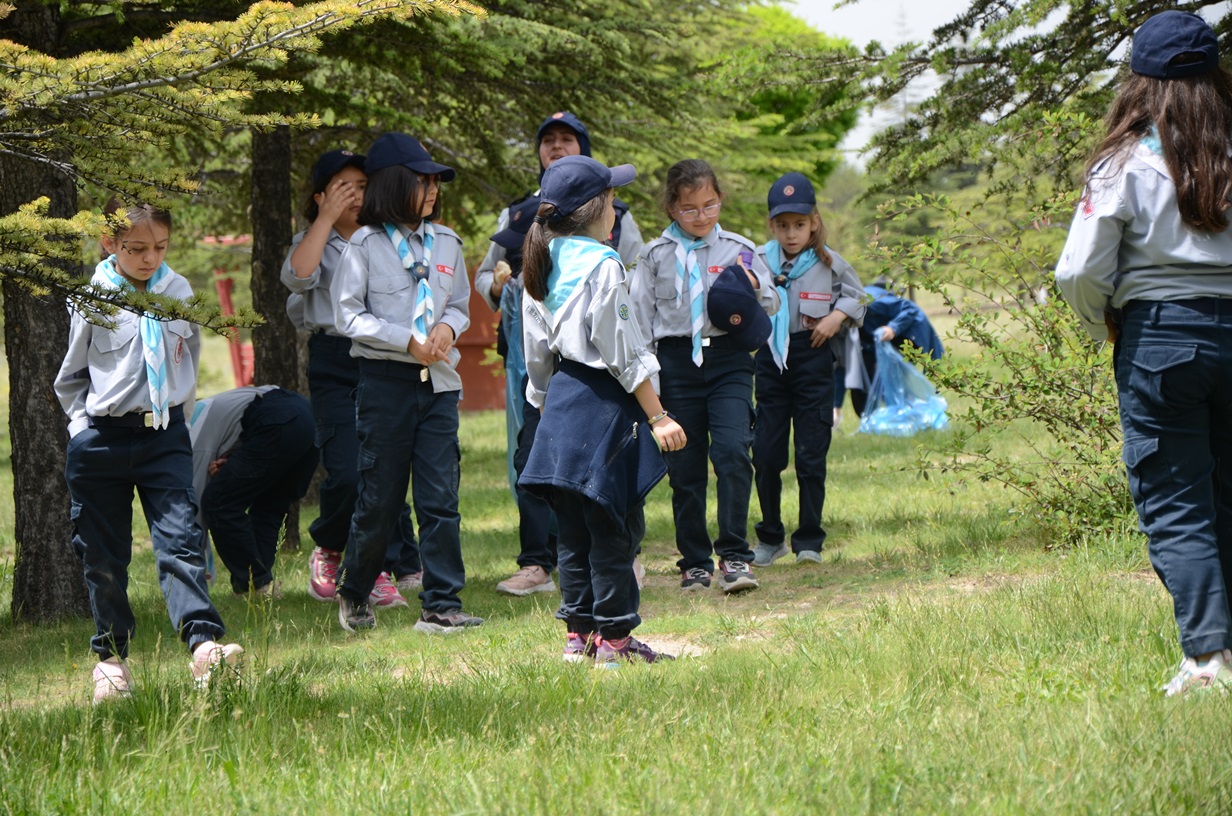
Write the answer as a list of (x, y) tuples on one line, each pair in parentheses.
[(696, 572)]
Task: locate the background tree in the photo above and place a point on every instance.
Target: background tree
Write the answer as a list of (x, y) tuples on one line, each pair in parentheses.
[(70, 117)]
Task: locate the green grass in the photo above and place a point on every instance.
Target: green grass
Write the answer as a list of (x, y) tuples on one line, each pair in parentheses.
[(940, 660)]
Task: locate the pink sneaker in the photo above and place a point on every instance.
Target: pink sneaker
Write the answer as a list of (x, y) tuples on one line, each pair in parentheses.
[(323, 574), (385, 593), (111, 680), (209, 656)]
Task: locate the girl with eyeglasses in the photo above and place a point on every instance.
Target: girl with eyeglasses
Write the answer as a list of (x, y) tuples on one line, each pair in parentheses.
[(706, 381)]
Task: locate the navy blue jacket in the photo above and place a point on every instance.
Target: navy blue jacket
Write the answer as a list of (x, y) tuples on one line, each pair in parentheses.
[(593, 439), (904, 317)]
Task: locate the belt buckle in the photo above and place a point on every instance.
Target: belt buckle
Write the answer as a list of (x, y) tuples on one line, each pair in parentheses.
[(705, 342), (147, 419), (423, 374)]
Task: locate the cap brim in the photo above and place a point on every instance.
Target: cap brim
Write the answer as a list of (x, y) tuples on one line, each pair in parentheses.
[(431, 168), (509, 238), (797, 209), (623, 174)]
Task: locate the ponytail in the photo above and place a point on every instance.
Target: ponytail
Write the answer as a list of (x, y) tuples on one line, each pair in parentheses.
[(549, 224)]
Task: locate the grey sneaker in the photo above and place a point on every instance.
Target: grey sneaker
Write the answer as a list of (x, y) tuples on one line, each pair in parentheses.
[(355, 615), (446, 621), (527, 581), (807, 556), (766, 554), (412, 583), (736, 576), (694, 580)]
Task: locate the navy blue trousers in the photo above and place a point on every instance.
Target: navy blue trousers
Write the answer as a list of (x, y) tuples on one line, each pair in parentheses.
[(104, 465), (800, 397), (333, 375), (246, 502), (598, 590), (714, 405), (408, 435), (538, 544), (1173, 365)]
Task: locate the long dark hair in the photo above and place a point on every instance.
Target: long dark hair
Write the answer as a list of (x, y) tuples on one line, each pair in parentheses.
[(687, 175), (1193, 116), (389, 195), (536, 261)]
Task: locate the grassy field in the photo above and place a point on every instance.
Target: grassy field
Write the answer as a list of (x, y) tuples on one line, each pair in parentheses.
[(940, 660)]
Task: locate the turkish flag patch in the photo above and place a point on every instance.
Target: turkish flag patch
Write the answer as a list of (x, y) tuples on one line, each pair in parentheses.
[(817, 296), (444, 270)]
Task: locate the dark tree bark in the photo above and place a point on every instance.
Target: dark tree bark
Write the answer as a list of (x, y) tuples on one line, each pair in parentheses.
[(275, 344), (47, 577)]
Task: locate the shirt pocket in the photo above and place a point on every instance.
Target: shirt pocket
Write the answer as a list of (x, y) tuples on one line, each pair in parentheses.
[(108, 341), (812, 310), (665, 289)]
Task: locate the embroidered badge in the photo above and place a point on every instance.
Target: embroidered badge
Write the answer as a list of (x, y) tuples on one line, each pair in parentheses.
[(736, 320), (558, 115), (347, 153), (179, 350), (517, 215), (623, 311), (444, 270), (714, 270), (1088, 209), (789, 190), (816, 295)]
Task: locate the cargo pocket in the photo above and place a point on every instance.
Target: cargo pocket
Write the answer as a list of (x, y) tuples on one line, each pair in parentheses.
[(1161, 376)]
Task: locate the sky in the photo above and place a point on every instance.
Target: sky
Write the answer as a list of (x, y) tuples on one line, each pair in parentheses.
[(890, 22)]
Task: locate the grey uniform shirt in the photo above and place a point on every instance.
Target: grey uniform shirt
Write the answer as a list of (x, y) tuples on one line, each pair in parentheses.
[(1127, 242), (103, 373), (214, 429), (311, 302), (630, 247), (376, 298), (594, 327), (664, 312), (820, 290)]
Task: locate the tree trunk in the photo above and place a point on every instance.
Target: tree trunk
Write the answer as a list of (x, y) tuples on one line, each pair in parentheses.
[(47, 578), (275, 355)]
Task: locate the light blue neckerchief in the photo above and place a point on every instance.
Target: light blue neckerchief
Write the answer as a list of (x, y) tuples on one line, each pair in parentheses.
[(574, 257), (780, 321), (689, 273), (152, 348), (1152, 142), (424, 313)]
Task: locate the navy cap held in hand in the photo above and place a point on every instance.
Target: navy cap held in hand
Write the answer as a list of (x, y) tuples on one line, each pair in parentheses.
[(792, 193), (331, 164), (732, 306), (1169, 35), (566, 119), (521, 215), (393, 149), (574, 180)]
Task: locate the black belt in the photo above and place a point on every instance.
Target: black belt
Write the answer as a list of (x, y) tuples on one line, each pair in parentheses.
[(136, 419), (718, 341), (395, 369)]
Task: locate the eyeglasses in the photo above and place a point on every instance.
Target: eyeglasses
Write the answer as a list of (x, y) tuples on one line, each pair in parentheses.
[(698, 215)]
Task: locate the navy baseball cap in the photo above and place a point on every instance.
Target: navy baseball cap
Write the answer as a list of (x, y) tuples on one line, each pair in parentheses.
[(792, 193), (1169, 35), (330, 164), (574, 180), (570, 121), (732, 306), (393, 149), (521, 215)]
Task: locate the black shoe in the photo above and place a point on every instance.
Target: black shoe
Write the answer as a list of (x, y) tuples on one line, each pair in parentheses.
[(355, 615), (736, 576), (695, 579)]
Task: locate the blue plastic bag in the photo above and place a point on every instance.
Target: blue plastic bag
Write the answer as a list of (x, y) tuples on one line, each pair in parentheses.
[(901, 400)]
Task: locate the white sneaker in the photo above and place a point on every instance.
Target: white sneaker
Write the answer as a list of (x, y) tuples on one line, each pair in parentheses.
[(1212, 673), (112, 680), (209, 656)]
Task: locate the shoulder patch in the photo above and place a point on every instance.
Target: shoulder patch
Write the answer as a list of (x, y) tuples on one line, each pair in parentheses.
[(623, 311)]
